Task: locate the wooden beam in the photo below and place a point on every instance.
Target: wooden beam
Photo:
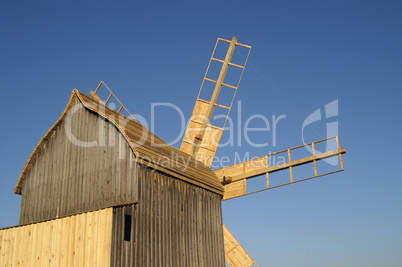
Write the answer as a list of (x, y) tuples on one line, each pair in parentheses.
[(235, 254)]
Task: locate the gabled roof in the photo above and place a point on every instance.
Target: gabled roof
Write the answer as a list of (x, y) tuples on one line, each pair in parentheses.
[(148, 148)]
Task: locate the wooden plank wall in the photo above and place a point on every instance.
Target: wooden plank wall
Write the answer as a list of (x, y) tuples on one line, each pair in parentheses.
[(77, 240), (67, 179), (174, 224)]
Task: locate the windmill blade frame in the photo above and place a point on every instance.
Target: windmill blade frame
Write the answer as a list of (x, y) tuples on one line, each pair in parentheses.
[(202, 137), (234, 177)]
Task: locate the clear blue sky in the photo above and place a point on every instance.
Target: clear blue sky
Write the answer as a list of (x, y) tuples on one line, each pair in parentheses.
[(305, 55)]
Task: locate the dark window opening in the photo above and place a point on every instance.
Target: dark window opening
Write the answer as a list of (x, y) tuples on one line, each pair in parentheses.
[(127, 228)]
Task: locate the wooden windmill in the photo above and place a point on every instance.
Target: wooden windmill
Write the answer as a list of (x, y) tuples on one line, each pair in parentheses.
[(202, 139), (99, 189)]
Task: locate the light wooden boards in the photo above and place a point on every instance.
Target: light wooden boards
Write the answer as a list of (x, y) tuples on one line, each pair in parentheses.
[(208, 145), (78, 240)]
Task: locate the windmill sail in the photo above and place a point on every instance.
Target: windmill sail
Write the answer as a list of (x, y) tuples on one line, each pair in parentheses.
[(202, 137), (236, 176)]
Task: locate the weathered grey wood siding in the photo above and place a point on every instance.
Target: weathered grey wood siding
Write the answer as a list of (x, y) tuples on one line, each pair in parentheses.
[(67, 178), (174, 224)]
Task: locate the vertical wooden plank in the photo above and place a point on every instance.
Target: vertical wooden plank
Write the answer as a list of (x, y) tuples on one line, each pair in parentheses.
[(118, 236), (12, 245), (134, 175), (47, 243), (39, 185), (49, 240), (155, 219), (88, 239), (185, 229), (101, 231), (78, 244), (220, 246), (315, 162), (19, 231), (37, 188), (148, 223), (145, 207), (86, 173), (169, 225), (188, 226), (98, 185), (17, 245), (93, 240), (64, 181), (58, 242), (70, 240), (72, 168), (122, 163), (7, 251), (199, 229), (56, 173), (21, 245), (45, 184), (192, 230), (134, 236), (3, 246), (162, 222), (81, 171), (76, 193), (181, 200), (290, 168), (96, 244), (340, 154), (109, 163), (212, 228), (140, 226), (113, 238), (65, 241), (91, 154), (108, 239), (176, 224), (39, 246), (160, 219)]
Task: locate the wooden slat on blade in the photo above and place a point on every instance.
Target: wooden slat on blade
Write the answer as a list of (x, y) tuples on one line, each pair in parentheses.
[(235, 189)]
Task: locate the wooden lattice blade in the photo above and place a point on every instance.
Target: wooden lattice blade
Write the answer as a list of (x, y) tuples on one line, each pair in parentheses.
[(238, 174), (202, 137)]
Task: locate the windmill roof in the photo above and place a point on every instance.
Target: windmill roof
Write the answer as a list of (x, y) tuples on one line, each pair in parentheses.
[(149, 149)]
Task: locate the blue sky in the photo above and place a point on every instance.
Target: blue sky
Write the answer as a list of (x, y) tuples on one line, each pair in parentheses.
[(305, 55)]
